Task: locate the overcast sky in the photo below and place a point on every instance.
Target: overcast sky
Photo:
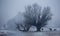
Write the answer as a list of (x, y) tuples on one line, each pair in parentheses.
[(10, 8)]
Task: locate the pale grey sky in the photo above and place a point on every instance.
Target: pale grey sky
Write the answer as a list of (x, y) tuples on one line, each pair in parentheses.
[(10, 8)]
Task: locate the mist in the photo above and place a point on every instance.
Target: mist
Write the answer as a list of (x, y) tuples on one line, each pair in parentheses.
[(11, 8)]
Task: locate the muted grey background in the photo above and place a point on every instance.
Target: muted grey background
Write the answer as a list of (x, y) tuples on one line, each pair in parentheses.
[(10, 8)]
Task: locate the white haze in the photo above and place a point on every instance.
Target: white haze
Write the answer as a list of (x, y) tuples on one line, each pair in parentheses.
[(10, 9)]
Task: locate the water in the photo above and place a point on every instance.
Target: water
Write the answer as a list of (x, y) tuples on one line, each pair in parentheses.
[(18, 33)]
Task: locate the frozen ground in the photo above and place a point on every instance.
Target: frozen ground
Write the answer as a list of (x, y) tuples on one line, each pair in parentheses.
[(18, 33)]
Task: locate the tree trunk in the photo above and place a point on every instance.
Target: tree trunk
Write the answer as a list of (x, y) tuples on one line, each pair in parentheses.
[(28, 29), (38, 29)]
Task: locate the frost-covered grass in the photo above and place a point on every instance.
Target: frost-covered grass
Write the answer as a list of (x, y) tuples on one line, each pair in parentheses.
[(18, 33)]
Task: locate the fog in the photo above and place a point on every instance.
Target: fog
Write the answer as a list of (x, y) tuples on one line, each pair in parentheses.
[(10, 8)]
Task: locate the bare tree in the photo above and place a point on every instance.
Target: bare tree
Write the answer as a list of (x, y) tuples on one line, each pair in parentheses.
[(34, 16)]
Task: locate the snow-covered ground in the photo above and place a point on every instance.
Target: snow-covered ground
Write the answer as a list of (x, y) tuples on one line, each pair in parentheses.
[(18, 33)]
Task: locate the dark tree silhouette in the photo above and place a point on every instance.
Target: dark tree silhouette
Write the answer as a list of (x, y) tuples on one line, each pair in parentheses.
[(35, 16)]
